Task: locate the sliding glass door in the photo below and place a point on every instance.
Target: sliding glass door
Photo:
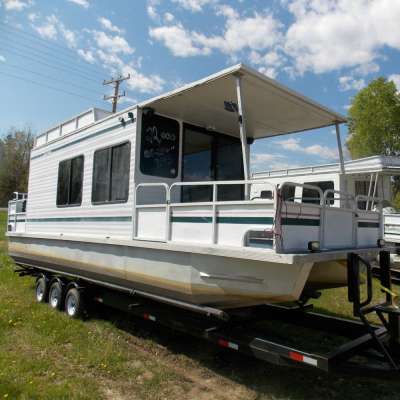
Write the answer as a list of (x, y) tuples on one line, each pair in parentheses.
[(210, 156)]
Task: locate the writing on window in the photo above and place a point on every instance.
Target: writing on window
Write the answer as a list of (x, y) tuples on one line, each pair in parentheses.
[(159, 152)]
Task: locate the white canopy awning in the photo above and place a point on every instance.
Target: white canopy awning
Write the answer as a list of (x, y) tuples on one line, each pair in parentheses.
[(270, 108)]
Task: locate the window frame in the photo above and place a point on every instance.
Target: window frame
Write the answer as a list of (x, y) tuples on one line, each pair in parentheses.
[(70, 178), (96, 203)]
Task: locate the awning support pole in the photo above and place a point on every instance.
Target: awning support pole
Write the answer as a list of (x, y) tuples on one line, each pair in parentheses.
[(339, 144), (243, 136)]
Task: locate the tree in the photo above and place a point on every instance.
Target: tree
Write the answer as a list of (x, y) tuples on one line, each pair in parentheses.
[(374, 120), (15, 149), (374, 124)]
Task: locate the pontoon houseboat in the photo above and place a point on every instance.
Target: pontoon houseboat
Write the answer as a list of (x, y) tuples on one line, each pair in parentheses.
[(157, 198)]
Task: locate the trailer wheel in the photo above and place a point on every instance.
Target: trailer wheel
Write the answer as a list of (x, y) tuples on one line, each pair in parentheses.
[(41, 289), (74, 304), (56, 295)]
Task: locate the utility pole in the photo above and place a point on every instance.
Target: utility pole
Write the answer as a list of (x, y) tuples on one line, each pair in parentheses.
[(116, 82)]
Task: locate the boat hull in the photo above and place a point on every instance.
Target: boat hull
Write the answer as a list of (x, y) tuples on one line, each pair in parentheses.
[(202, 279)]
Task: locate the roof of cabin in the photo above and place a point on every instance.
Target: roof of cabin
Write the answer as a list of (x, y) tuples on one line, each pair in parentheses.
[(270, 108), (389, 165)]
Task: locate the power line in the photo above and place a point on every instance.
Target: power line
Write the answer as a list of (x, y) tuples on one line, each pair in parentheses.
[(47, 86), (50, 77), (67, 69), (40, 53), (46, 43)]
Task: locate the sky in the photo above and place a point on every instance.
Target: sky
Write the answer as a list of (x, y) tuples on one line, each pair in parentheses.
[(55, 54)]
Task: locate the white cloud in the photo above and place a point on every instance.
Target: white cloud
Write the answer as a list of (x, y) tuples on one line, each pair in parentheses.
[(69, 36), (48, 30), (193, 5), (396, 79), (268, 162), (350, 83), (2, 58), (82, 3), (33, 17), (141, 82), (16, 5), (293, 144), (52, 27), (113, 44), (152, 9), (180, 42), (168, 17), (329, 35), (258, 32), (87, 55), (107, 24)]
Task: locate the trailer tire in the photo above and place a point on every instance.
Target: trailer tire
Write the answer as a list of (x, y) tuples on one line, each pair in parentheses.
[(56, 295), (74, 303), (41, 289)]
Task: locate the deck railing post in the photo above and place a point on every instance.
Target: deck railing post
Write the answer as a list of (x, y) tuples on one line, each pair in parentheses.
[(214, 214)]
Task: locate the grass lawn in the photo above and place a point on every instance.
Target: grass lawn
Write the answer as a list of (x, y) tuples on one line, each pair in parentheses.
[(46, 355)]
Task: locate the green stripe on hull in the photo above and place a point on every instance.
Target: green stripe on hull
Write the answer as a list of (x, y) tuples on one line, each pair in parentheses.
[(200, 220), (81, 219), (300, 221), (368, 224), (226, 220)]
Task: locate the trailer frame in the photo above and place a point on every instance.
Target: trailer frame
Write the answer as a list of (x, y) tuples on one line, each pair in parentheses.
[(365, 349)]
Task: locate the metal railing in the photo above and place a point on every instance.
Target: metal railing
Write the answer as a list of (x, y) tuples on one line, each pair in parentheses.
[(324, 202), (213, 203), (16, 208)]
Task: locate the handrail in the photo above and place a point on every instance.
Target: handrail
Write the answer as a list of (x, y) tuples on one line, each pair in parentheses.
[(307, 186), (215, 185)]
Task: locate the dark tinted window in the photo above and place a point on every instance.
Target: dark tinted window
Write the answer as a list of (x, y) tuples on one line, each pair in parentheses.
[(312, 196), (76, 180), (120, 172), (70, 178), (159, 152), (111, 174)]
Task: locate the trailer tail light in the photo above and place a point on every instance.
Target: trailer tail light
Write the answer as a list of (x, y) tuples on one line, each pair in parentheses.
[(149, 317), (302, 358), (228, 344)]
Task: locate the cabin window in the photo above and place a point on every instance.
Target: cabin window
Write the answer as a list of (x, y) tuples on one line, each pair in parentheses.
[(70, 178), (211, 156), (159, 152), (111, 174), (312, 196)]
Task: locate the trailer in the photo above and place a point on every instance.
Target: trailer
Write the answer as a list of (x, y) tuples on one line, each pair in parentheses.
[(357, 346)]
